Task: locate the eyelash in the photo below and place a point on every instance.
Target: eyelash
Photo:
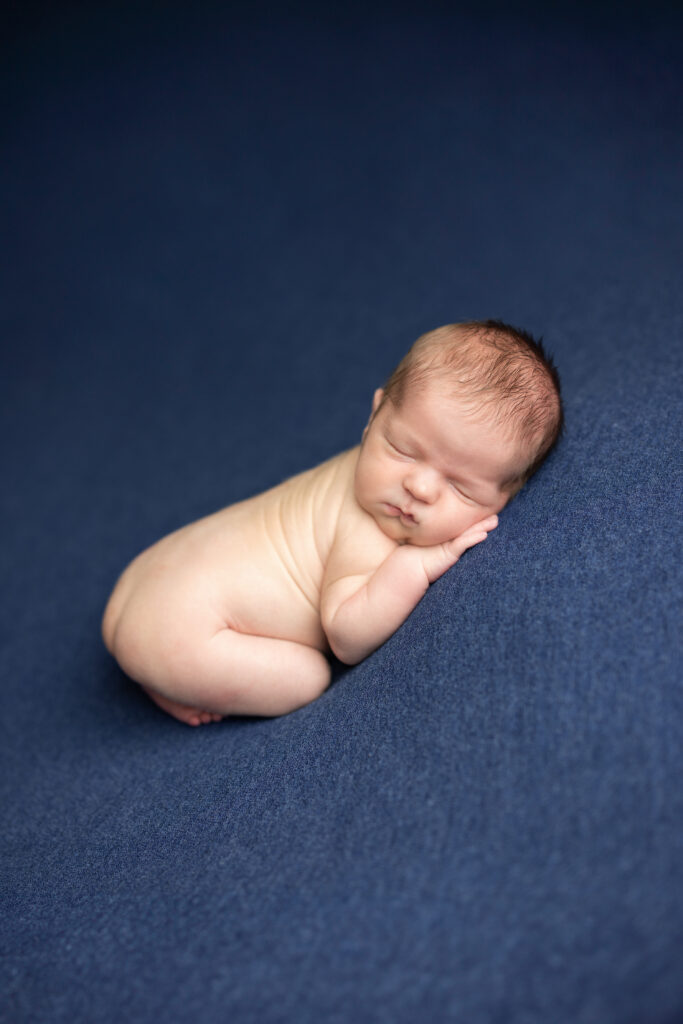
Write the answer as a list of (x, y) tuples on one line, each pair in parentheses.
[(470, 501), (404, 455)]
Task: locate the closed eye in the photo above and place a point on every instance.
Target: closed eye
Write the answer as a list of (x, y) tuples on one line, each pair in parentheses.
[(461, 494), (398, 451)]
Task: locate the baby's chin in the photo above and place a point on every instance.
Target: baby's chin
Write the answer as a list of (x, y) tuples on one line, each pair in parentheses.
[(396, 530)]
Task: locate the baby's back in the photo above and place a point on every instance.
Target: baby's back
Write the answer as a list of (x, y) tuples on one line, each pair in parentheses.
[(256, 567)]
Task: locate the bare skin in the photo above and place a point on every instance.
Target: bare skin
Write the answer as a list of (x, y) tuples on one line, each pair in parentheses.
[(183, 712), (236, 613)]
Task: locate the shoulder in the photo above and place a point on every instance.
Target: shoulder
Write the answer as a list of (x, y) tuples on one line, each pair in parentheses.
[(328, 481), (359, 546), (332, 487)]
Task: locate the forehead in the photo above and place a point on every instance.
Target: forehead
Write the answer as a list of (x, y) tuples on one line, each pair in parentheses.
[(453, 434)]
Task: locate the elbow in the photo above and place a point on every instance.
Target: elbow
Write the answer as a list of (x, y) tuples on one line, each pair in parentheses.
[(341, 651), (346, 651), (346, 656), (344, 635)]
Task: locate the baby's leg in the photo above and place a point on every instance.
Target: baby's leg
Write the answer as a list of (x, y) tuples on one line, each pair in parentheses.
[(236, 674)]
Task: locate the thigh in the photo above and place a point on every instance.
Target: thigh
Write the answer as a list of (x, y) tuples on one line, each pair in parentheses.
[(234, 673)]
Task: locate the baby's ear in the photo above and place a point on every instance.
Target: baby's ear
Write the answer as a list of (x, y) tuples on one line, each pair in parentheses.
[(376, 402)]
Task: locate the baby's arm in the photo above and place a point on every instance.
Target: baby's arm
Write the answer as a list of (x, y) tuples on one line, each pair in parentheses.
[(360, 610)]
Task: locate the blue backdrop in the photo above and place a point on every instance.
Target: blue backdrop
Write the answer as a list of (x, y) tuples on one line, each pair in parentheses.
[(222, 228)]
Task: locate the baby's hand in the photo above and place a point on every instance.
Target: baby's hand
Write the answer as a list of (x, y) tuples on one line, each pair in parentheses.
[(436, 559), (361, 611)]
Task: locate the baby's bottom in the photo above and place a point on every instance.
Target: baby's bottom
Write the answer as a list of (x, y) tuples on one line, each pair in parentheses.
[(236, 674)]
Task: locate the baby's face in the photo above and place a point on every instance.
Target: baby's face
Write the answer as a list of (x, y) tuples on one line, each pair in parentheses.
[(428, 471)]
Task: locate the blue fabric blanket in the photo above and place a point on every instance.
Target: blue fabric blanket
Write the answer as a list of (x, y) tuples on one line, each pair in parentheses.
[(223, 227)]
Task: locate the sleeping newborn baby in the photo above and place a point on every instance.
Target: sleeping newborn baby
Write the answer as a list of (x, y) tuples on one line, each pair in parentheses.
[(235, 614)]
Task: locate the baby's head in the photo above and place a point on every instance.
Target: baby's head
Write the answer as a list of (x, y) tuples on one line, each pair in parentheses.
[(492, 371), (465, 419)]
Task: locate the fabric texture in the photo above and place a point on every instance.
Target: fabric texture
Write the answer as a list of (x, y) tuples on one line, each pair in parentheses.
[(223, 228)]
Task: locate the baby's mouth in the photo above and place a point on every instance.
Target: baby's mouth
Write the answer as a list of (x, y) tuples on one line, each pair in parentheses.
[(406, 518)]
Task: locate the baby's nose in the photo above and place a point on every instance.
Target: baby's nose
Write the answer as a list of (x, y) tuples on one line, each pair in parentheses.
[(422, 485)]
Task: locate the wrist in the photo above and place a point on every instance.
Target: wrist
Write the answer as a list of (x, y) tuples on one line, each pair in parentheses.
[(410, 561)]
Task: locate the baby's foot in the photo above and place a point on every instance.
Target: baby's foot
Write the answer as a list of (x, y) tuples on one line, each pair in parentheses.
[(183, 712)]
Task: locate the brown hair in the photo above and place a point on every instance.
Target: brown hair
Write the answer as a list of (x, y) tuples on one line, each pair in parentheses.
[(490, 365)]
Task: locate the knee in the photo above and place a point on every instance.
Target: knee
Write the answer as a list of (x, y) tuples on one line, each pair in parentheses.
[(108, 626), (310, 685)]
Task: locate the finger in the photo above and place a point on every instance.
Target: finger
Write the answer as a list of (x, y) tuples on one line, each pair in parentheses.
[(475, 538), (485, 526), (467, 540), (490, 523)]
